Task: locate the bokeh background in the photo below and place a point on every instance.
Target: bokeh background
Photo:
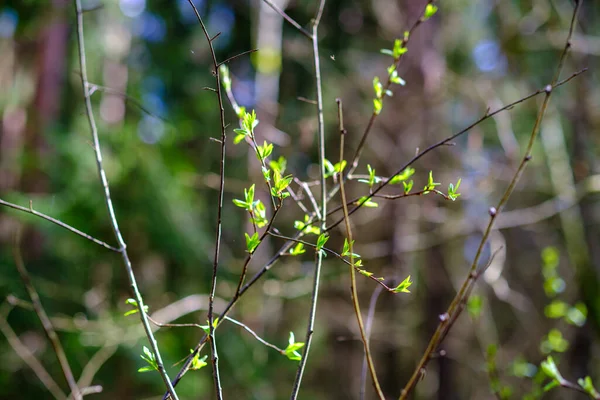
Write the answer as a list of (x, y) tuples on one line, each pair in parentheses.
[(539, 297)]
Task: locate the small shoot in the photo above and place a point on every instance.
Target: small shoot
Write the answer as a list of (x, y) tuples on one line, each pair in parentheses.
[(587, 385), (264, 151), (551, 370), (247, 125), (453, 190), (365, 201), (430, 11), (197, 362), (346, 249), (134, 304), (401, 177), (150, 358), (206, 328), (278, 165), (248, 202), (280, 183), (408, 186), (306, 227), (291, 351), (403, 286), (252, 242), (430, 184), (298, 249), (321, 240), (393, 75)]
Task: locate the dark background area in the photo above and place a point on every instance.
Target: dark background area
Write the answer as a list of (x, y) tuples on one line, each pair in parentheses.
[(163, 171)]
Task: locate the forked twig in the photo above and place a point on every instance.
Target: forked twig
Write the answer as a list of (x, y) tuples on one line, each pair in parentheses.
[(462, 296)]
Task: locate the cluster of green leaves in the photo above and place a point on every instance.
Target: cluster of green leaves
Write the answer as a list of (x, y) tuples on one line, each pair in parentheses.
[(333, 169), (396, 52), (256, 208), (306, 227)]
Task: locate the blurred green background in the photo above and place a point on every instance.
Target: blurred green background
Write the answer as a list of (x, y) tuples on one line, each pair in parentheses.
[(163, 171)]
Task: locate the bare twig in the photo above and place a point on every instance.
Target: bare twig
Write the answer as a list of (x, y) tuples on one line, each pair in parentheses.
[(109, 205), (350, 241), (368, 327), (213, 286), (30, 210), (48, 328), (454, 310), (288, 19)]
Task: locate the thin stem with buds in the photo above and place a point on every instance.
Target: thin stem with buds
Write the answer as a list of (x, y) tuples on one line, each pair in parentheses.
[(353, 290)]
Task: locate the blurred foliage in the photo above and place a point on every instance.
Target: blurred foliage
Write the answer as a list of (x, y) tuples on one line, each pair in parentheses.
[(163, 170)]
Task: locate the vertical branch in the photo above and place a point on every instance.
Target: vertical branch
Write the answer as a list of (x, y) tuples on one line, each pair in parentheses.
[(213, 284), (109, 205), (447, 319), (48, 328), (323, 216), (354, 292)]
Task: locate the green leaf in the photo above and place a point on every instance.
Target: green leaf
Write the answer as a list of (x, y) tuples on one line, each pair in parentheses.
[(225, 79), (377, 106), (407, 186), (298, 249), (399, 47), (403, 286), (554, 342), (278, 165), (206, 329), (197, 362), (551, 370), (329, 168), (430, 11), (453, 190), (264, 151), (556, 309), (387, 52), (587, 385), (365, 201), (240, 203), (149, 357), (339, 167), (577, 315), (323, 238), (252, 242), (377, 87), (346, 250), (404, 175), (430, 184), (474, 306), (291, 351), (134, 303)]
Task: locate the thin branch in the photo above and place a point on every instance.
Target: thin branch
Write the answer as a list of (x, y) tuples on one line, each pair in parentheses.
[(213, 286), (462, 296), (444, 142), (30, 210), (109, 205), (243, 53), (368, 327), (353, 290), (27, 356), (48, 328), (323, 220), (288, 18)]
